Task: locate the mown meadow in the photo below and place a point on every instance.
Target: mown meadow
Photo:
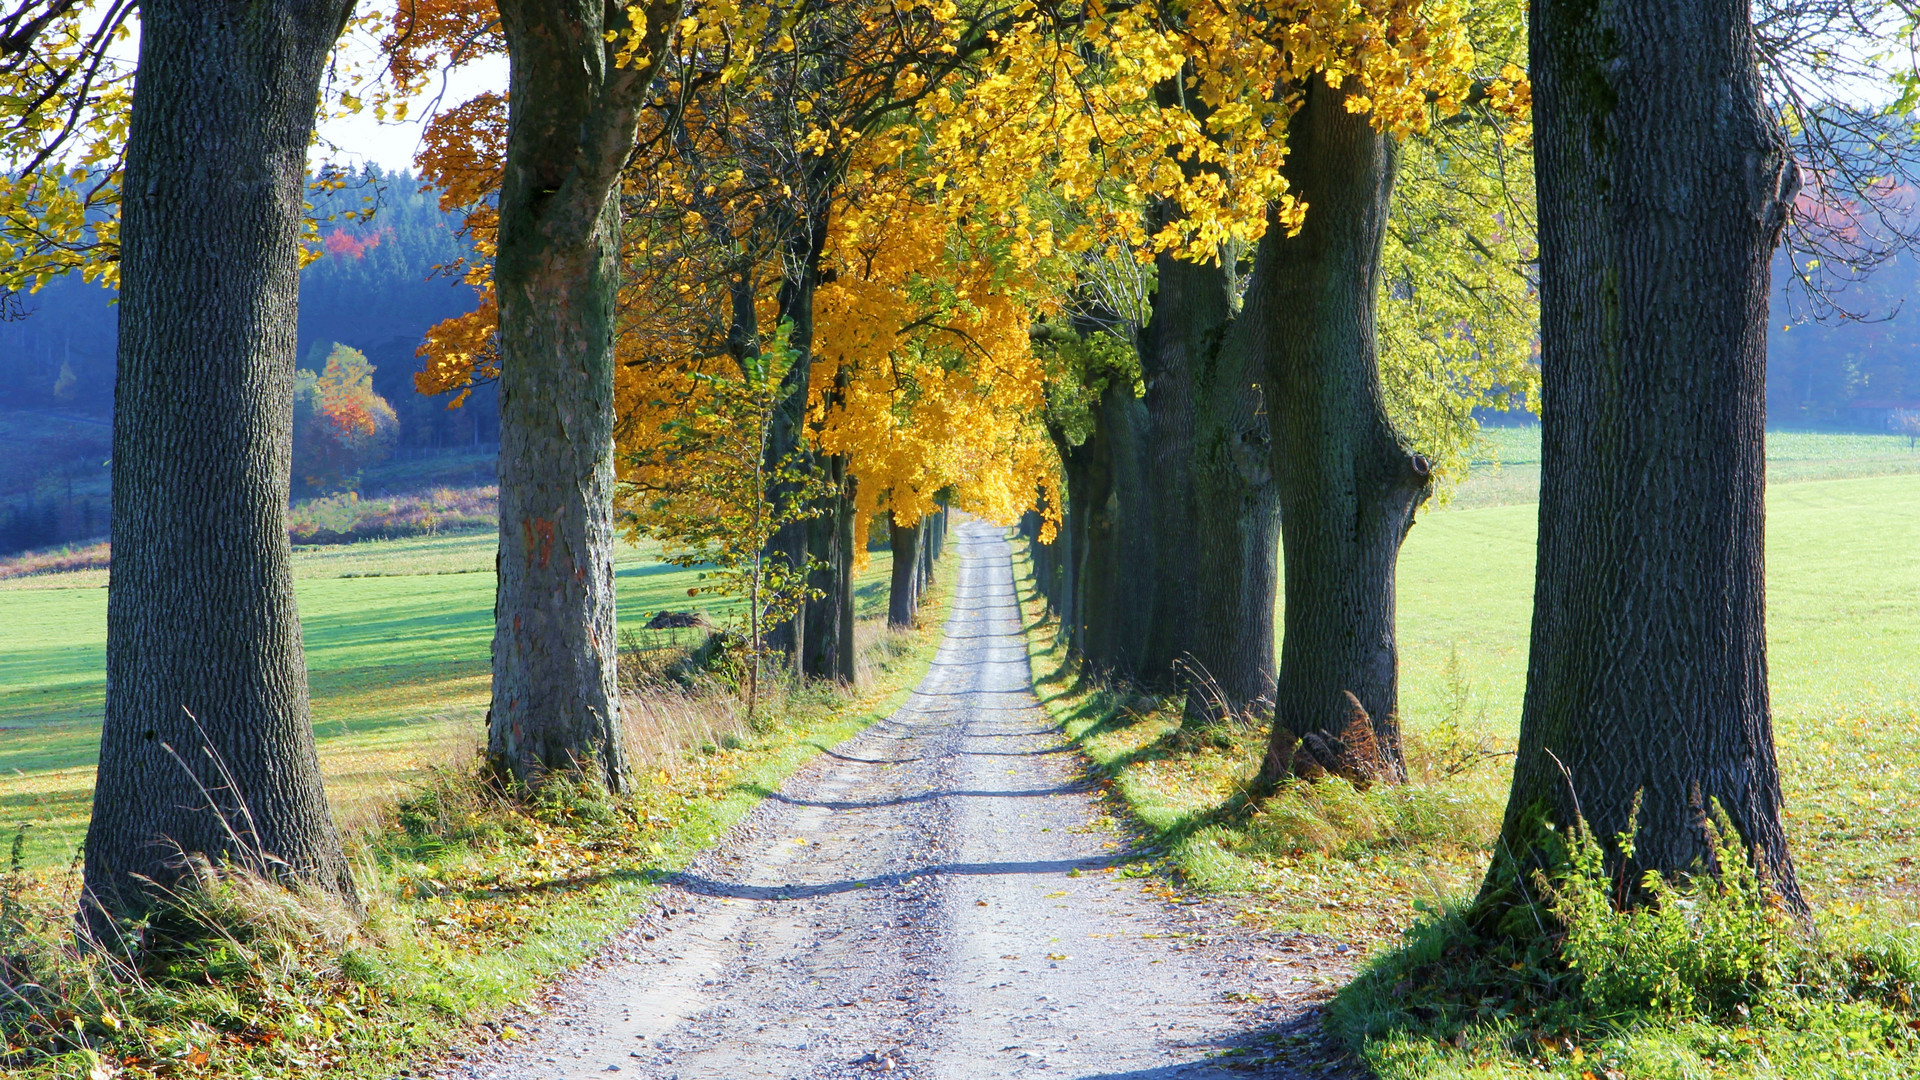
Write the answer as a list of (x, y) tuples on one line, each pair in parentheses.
[(1843, 579), (397, 635)]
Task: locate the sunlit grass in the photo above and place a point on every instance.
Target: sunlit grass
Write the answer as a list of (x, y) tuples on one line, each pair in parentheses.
[(1506, 461), (397, 633), (1843, 562)]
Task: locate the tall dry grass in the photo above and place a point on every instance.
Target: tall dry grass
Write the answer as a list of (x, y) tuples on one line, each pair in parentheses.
[(683, 691)]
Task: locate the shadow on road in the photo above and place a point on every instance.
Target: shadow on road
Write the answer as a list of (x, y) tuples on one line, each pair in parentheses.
[(706, 886), (908, 800)]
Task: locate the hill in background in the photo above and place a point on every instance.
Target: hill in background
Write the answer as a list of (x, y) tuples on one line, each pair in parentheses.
[(376, 287)]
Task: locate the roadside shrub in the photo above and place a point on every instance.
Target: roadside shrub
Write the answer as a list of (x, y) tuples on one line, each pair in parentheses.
[(1652, 990), (1698, 947)]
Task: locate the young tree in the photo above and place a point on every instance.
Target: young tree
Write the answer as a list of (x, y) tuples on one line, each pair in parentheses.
[(340, 425), (208, 744), (696, 478), (1646, 709)]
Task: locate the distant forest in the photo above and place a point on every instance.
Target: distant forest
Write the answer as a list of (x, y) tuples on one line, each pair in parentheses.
[(374, 287), (1846, 372)]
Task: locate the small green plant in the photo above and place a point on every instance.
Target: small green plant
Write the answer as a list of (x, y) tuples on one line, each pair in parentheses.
[(1454, 745), (1700, 946), (1702, 975)]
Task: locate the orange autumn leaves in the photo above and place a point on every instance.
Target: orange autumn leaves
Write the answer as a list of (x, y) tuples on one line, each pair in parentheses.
[(966, 217)]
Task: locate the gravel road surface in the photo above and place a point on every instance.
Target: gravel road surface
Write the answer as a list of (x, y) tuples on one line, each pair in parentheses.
[(939, 897)]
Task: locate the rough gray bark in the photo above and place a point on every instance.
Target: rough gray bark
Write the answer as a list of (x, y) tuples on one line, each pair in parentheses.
[(1191, 307), (1348, 485), (1236, 536), (571, 118), (1053, 562), (825, 622), (1112, 541), (925, 537), (1079, 466), (903, 586), (207, 745), (844, 669), (1664, 185), (1215, 523)]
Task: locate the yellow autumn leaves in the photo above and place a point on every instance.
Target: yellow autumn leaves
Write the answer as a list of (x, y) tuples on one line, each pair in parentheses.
[(1022, 151)]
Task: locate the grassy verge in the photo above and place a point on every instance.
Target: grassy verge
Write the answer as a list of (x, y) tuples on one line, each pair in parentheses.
[(397, 635), (1318, 858), (1387, 871), (1711, 979), (473, 902)]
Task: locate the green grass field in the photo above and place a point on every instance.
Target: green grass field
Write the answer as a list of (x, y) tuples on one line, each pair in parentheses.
[(1505, 466), (397, 635), (1843, 630)]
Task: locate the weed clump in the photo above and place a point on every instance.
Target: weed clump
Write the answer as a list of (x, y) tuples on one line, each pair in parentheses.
[(1707, 975), (1334, 818)]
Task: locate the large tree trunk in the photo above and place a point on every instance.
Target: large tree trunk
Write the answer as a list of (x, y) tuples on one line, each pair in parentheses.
[(926, 538), (572, 114), (845, 653), (1113, 605), (208, 744), (1084, 468), (1215, 516), (1348, 485), (826, 646), (903, 588), (1191, 306), (1062, 585), (1236, 536), (1664, 185)]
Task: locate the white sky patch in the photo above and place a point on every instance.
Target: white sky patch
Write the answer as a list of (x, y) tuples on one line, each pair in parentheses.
[(359, 138)]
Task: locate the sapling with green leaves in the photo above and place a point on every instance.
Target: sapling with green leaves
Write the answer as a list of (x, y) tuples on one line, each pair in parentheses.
[(707, 486)]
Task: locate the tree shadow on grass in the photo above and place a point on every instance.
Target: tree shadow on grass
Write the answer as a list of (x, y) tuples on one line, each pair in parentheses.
[(632, 876)]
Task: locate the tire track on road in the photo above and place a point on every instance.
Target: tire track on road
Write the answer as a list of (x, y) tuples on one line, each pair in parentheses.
[(932, 898)]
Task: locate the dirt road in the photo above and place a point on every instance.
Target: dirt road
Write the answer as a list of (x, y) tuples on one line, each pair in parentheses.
[(934, 898)]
